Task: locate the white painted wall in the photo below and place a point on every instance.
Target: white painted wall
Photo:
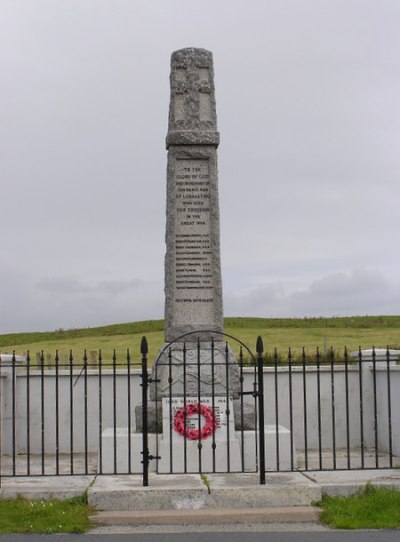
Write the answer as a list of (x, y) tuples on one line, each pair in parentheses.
[(382, 386), (121, 402)]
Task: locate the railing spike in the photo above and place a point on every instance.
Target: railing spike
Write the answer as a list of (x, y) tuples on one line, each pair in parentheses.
[(144, 348), (259, 345)]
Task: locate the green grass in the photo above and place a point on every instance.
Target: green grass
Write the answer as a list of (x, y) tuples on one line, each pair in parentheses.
[(280, 333), (54, 516), (370, 508)]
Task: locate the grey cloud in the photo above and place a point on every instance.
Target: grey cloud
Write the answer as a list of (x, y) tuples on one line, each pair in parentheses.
[(66, 286), (69, 302), (360, 291), (120, 286), (307, 104), (63, 286), (355, 292), (268, 300)]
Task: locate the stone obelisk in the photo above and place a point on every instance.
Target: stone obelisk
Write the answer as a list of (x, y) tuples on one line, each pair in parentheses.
[(195, 419), (193, 286), (193, 290)]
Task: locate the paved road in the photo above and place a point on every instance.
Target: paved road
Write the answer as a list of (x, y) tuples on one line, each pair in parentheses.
[(192, 536)]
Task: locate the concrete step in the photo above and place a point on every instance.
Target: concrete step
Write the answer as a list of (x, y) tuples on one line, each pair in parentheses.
[(288, 514), (190, 492)]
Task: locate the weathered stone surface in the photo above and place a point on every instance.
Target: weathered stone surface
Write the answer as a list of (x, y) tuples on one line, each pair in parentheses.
[(187, 137), (193, 372), (154, 417), (192, 112), (193, 287), (223, 412), (245, 418)]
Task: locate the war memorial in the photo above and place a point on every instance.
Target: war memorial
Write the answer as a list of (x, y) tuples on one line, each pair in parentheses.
[(207, 402), (200, 417)]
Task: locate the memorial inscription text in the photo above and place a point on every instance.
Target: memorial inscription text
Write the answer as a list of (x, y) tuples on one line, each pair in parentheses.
[(193, 255)]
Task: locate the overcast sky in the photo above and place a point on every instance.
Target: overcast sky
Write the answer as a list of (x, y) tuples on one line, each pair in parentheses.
[(308, 111)]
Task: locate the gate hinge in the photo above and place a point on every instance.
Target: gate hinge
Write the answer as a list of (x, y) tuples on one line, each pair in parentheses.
[(151, 457)]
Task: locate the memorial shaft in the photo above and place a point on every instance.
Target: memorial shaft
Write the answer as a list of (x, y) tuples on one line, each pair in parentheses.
[(195, 384), (193, 286)]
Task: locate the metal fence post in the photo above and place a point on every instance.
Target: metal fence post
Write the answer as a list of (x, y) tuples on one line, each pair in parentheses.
[(260, 394), (145, 443), (1, 425)]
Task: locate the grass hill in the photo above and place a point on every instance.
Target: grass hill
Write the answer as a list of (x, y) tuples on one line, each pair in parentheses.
[(280, 333)]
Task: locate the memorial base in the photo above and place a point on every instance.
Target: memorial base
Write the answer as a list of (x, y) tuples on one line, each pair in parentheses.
[(180, 458), (116, 447)]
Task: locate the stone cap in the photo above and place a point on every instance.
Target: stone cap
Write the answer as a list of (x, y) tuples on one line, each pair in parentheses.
[(192, 109), (8, 358), (381, 354)]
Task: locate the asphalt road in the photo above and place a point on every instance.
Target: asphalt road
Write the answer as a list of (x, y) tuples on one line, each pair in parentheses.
[(192, 536)]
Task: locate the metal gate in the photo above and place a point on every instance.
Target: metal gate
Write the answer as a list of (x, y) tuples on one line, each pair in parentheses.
[(199, 415)]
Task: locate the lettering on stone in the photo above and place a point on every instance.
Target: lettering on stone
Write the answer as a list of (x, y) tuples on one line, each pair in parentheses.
[(193, 259)]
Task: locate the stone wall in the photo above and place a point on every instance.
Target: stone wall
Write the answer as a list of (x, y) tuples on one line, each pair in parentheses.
[(121, 406)]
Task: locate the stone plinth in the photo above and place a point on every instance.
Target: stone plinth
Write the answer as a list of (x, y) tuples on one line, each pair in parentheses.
[(239, 440), (191, 369)]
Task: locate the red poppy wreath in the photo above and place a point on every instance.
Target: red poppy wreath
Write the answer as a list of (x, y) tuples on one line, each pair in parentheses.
[(192, 409)]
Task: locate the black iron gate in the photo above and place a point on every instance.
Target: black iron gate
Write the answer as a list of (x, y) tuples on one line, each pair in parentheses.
[(198, 411)]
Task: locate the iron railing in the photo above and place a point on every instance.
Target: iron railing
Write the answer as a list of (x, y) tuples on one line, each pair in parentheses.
[(313, 411)]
